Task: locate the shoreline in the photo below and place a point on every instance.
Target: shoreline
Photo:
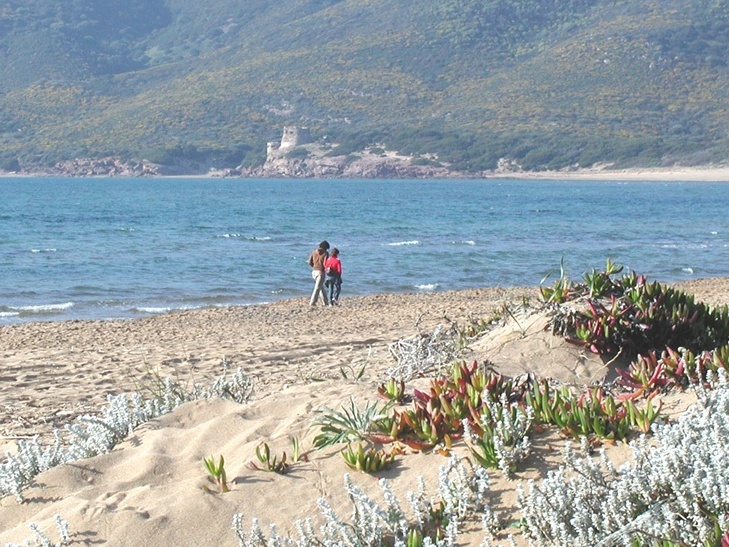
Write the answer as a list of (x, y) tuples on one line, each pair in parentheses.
[(648, 174)]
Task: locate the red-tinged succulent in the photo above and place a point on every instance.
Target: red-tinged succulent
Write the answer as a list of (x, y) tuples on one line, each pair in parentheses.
[(649, 373), (393, 390)]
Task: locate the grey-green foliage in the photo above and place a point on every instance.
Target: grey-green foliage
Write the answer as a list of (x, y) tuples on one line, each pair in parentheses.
[(505, 439), (676, 488), (64, 537), (461, 494), (97, 434)]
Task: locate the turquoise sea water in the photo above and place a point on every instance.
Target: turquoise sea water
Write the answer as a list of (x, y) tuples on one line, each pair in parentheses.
[(120, 248)]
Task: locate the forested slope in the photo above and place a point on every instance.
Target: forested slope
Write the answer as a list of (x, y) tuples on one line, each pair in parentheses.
[(545, 83)]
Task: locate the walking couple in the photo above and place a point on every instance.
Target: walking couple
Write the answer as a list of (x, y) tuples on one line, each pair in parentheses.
[(326, 270)]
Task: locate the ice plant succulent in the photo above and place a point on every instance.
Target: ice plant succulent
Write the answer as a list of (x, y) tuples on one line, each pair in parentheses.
[(368, 460), (217, 472), (274, 464), (392, 390)]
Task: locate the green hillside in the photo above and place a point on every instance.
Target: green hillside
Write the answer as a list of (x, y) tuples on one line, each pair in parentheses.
[(547, 83)]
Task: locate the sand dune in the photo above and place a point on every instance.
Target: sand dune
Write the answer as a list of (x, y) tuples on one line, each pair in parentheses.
[(153, 490)]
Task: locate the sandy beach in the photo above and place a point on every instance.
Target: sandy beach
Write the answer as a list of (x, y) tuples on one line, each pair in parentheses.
[(153, 490), (662, 174)]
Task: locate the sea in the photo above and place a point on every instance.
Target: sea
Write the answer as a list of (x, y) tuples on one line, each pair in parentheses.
[(114, 248)]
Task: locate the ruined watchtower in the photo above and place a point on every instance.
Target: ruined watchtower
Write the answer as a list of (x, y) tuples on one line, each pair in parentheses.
[(295, 136), (292, 137)]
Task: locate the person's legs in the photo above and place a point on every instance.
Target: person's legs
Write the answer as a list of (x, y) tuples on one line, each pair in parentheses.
[(318, 277), (323, 291), (332, 282), (337, 286)]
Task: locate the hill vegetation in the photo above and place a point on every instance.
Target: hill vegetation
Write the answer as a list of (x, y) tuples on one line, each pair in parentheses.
[(546, 84)]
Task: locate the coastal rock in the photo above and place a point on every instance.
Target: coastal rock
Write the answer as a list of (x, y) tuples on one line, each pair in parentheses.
[(363, 166), (104, 167)]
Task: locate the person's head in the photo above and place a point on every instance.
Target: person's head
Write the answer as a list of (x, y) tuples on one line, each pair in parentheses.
[(324, 245), (335, 252)]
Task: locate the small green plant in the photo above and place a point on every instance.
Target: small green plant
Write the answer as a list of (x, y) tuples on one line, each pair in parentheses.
[(507, 311), (274, 465), (353, 373), (414, 539), (592, 414), (643, 418), (368, 460), (217, 472), (600, 283), (561, 291), (349, 424), (392, 390), (296, 455)]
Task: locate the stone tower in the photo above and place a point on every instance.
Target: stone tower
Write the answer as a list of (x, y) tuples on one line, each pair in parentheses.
[(295, 136)]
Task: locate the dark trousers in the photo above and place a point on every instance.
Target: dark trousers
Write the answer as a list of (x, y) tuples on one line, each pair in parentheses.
[(334, 282)]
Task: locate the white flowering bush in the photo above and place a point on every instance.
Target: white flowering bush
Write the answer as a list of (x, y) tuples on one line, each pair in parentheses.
[(676, 489), (428, 521), (98, 434)]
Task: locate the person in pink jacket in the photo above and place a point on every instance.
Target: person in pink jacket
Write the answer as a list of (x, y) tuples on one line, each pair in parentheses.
[(333, 270)]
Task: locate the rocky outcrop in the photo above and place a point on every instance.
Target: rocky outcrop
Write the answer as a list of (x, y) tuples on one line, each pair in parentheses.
[(364, 166), (311, 161), (104, 167)]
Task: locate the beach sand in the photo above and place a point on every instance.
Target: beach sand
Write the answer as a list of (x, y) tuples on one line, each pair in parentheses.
[(153, 489), (662, 174)]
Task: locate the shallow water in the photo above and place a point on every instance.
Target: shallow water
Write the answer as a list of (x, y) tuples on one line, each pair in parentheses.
[(118, 248)]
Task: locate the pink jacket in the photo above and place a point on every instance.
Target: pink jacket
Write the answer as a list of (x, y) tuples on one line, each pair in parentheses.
[(334, 264)]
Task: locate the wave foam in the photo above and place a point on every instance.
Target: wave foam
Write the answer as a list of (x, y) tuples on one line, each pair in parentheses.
[(401, 243), (427, 287), (153, 310), (43, 308)]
